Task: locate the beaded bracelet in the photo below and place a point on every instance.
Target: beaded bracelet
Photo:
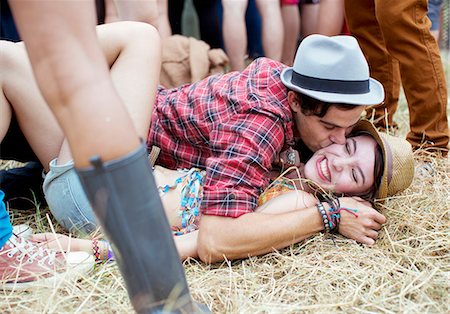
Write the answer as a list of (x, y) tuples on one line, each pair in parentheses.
[(324, 216)]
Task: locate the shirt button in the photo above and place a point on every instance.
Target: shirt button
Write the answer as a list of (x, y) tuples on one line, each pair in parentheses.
[(231, 196)]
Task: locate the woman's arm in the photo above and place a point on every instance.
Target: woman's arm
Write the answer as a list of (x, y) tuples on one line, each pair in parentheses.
[(260, 233), (186, 244), (61, 242)]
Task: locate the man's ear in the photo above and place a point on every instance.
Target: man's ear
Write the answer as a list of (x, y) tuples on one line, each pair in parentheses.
[(295, 101)]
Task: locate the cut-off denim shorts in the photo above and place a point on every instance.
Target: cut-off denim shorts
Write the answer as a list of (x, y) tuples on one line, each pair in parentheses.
[(66, 199)]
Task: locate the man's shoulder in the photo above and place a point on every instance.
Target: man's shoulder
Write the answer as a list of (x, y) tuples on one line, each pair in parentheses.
[(263, 65)]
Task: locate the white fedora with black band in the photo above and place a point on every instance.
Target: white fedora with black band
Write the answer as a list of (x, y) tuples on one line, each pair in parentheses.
[(334, 70)]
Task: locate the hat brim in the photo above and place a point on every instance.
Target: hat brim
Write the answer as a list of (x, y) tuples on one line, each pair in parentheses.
[(375, 95), (367, 127)]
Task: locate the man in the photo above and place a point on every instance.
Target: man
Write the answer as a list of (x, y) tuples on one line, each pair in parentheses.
[(237, 124)]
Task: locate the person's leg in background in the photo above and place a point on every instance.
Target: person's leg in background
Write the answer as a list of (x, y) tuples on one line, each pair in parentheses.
[(8, 30), (331, 17), (83, 99), (291, 24), (364, 26), (406, 30), (253, 22), (210, 22), (272, 28), (175, 10), (309, 16), (163, 19), (234, 32)]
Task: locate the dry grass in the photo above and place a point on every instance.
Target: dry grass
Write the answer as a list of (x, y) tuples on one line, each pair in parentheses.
[(407, 271)]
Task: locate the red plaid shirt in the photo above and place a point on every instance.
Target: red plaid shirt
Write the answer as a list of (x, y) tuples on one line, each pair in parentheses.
[(232, 125)]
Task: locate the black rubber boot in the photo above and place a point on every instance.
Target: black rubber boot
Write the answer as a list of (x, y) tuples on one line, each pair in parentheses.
[(125, 199)]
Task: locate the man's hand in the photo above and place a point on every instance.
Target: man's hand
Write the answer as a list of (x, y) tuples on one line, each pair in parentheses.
[(365, 227)]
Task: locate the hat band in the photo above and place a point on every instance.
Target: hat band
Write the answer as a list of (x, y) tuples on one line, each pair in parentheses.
[(330, 86)]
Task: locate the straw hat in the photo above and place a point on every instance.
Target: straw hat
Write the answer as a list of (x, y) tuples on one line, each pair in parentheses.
[(398, 160), (333, 69)]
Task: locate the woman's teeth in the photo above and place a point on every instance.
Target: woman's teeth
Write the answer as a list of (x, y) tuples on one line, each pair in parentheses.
[(324, 169)]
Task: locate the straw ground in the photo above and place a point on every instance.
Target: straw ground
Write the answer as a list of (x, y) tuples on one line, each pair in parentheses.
[(407, 271)]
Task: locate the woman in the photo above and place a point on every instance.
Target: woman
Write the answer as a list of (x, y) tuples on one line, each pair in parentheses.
[(361, 167)]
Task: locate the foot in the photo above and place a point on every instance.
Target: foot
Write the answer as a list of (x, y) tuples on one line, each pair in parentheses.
[(24, 265)]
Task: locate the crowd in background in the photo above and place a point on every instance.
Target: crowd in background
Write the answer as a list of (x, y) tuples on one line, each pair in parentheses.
[(244, 28)]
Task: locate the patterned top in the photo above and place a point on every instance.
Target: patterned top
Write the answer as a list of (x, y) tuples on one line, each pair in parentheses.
[(232, 125)]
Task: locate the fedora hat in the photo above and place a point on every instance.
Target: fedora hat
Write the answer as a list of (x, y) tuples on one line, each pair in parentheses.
[(398, 168), (334, 70)]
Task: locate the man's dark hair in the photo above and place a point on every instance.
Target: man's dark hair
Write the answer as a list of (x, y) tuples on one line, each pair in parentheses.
[(311, 106)]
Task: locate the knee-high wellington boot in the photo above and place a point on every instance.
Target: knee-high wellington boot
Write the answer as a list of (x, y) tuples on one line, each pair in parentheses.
[(125, 199)]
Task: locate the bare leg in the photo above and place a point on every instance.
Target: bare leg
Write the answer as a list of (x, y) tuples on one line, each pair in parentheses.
[(234, 32), (291, 24), (272, 28), (309, 18), (331, 17), (163, 19)]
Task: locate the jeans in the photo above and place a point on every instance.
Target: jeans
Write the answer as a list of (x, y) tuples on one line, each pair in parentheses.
[(66, 199)]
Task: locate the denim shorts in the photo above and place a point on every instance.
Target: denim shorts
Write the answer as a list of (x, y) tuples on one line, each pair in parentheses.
[(434, 13), (66, 199)]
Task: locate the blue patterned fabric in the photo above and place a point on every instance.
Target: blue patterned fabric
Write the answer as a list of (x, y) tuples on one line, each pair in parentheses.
[(5, 223)]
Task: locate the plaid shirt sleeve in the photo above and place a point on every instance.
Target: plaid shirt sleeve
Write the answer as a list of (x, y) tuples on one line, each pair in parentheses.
[(243, 149)]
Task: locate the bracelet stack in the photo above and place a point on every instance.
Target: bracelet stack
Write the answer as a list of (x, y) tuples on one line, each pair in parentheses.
[(102, 250), (332, 219)]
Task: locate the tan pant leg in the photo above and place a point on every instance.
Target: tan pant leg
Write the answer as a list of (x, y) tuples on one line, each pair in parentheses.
[(364, 26), (405, 27)]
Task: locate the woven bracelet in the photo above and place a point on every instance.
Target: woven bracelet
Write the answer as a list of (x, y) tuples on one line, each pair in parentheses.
[(334, 214), (96, 250), (324, 216)]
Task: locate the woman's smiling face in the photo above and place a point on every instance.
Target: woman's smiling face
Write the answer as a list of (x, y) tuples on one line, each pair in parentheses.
[(347, 168)]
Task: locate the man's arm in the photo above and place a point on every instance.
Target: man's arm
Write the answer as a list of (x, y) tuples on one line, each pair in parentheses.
[(260, 233)]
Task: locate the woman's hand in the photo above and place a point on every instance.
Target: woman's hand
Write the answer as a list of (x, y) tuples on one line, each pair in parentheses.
[(364, 227)]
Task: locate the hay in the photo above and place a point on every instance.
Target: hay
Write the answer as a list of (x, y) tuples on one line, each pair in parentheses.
[(407, 271)]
